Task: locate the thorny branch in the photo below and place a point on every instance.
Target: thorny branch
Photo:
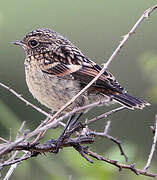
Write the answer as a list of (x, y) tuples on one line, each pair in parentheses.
[(120, 166), (153, 146), (83, 135), (106, 135), (19, 96), (13, 166), (105, 115), (76, 143)]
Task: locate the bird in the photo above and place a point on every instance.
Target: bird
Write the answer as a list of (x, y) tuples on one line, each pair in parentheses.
[(56, 70)]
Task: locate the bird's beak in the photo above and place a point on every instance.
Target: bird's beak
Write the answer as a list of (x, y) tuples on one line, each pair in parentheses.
[(17, 42)]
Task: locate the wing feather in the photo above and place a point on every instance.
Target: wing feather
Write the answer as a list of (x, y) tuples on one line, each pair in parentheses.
[(76, 64), (86, 74)]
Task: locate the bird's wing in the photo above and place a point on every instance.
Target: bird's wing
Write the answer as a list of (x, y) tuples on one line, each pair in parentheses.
[(106, 80), (63, 61), (71, 61)]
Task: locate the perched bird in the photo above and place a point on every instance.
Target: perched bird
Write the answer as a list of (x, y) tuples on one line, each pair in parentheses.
[(56, 70)]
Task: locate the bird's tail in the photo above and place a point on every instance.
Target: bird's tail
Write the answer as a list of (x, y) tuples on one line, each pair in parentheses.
[(130, 101)]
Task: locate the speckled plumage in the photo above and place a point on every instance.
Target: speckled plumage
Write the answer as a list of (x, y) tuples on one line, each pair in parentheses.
[(56, 70)]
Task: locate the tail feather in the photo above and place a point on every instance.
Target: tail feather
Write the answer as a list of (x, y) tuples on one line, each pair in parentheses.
[(130, 101)]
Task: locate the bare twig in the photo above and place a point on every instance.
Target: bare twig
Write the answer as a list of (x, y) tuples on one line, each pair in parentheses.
[(56, 121), (120, 166), (107, 127), (13, 156), (43, 127), (13, 166), (11, 145), (153, 147), (20, 129), (2, 139), (11, 170), (27, 102), (48, 146), (18, 160), (105, 115), (79, 149), (106, 135), (75, 142), (24, 100)]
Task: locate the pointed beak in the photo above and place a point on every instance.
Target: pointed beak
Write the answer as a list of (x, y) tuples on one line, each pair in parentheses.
[(18, 42)]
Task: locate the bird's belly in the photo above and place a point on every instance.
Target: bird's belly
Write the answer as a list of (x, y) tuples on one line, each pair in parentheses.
[(51, 91)]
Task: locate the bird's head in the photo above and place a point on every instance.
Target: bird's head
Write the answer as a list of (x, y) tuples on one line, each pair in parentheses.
[(41, 41)]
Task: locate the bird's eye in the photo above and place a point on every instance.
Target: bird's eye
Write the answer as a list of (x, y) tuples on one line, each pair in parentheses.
[(33, 43)]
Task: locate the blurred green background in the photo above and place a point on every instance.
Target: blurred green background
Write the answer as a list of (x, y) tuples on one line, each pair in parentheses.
[(96, 27)]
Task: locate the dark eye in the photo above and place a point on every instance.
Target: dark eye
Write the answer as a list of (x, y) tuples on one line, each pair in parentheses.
[(33, 43)]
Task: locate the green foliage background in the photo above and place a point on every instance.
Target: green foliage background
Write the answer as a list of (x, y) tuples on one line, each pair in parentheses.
[(96, 27)]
